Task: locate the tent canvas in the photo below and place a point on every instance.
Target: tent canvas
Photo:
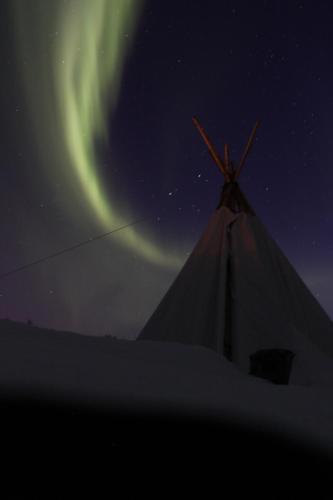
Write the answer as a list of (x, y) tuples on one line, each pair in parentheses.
[(237, 292)]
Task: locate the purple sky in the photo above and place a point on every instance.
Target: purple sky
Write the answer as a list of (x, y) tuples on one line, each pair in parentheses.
[(229, 63)]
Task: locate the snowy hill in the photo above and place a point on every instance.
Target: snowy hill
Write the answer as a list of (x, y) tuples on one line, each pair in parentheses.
[(135, 387)]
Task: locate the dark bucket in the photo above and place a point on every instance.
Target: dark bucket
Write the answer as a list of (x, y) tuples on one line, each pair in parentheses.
[(272, 364)]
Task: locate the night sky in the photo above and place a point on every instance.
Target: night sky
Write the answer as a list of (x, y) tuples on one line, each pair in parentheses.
[(96, 132)]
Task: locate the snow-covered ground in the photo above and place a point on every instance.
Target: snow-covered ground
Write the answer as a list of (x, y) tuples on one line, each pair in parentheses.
[(169, 376)]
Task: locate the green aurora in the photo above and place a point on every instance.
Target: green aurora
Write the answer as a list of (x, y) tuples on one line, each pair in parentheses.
[(72, 55)]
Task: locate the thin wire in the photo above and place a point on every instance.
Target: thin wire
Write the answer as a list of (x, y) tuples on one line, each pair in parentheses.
[(69, 249)]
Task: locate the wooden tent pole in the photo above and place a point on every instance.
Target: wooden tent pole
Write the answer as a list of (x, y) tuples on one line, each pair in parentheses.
[(247, 149), (211, 148), (227, 158)]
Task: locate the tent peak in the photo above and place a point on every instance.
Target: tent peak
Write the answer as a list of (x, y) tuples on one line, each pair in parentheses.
[(233, 198), (227, 168)]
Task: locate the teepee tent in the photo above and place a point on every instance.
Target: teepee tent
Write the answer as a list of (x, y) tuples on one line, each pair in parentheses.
[(238, 294)]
